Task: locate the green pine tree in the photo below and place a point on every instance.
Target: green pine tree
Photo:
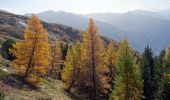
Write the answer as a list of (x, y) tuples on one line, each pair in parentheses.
[(159, 79), (128, 83), (147, 65), (6, 45)]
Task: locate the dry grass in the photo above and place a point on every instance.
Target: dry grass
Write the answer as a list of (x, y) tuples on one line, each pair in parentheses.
[(49, 89), (53, 90)]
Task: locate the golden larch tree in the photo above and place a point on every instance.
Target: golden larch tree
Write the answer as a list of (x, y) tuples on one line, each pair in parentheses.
[(56, 60), (92, 62), (33, 53), (72, 67), (111, 56)]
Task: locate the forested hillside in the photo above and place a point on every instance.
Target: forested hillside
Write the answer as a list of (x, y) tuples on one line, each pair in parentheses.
[(44, 61)]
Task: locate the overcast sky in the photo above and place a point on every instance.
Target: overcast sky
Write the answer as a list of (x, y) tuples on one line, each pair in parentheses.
[(82, 6)]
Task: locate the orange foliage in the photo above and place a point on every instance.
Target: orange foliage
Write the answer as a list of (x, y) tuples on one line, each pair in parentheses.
[(56, 61), (92, 62), (33, 53)]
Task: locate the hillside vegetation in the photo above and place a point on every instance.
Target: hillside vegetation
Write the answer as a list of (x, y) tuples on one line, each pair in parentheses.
[(43, 61)]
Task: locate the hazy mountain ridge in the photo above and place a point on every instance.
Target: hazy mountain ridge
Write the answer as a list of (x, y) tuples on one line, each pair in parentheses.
[(140, 27), (12, 26), (145, 27), (165, 13), (80, 22)]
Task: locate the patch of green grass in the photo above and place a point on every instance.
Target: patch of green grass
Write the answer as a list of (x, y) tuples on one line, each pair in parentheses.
[(2, 95), (48, 83), (4, 62), (3, 74)]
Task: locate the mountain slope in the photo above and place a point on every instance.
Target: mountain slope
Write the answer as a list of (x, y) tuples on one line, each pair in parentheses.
[(13, 25), (144, 27), (48, 89), (140, 27), (164, 13), (79, 22)]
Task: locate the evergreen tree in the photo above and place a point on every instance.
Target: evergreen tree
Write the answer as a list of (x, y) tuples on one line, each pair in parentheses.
[(6, 45), (33, 53), (64, 48), (128, 83), (92, 61), (159, 79), (147, 65), (72, 66)]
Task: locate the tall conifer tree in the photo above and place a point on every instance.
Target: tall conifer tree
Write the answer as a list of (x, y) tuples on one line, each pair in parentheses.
[(159, 79), (33, 53), (111, 56), (92, 62), (128, 83), (147, 65), (56, 61), (72, 67), (166, 74)]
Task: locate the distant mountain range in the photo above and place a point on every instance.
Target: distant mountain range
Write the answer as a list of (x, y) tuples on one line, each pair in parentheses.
[(12, 26), (140, 27), (79, 22)]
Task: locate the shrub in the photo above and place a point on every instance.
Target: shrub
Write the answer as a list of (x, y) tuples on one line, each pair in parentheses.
[(32, 79), (2, 95), (64, 48), (48, 83), (3, 74), (5, 49)]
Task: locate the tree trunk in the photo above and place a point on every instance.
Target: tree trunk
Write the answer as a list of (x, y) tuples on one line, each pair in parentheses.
[(93, 74), (74, 80), (30, 60), (52, 65)]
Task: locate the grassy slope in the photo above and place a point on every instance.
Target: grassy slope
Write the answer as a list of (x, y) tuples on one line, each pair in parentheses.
[(49, 89), (56, 92)]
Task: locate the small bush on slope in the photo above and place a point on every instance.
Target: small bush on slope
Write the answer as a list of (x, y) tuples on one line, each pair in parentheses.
[(2, 95)]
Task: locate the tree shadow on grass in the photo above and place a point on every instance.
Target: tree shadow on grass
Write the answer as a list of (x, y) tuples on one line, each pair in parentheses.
[(75, 96), (16, 81)]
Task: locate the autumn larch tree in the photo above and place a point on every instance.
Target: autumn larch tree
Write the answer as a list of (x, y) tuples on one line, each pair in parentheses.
[(166, 93), (72, 66), (33, 53), (92, 62), (128, 83), (111, 56), (56, 61)]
